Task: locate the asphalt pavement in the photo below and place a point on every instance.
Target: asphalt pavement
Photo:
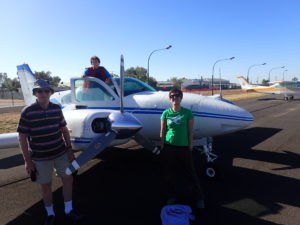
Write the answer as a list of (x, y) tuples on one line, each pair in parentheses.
[(258, 182)]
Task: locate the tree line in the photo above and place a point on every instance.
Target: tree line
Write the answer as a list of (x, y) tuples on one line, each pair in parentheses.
[(135, 72), (7, 83)]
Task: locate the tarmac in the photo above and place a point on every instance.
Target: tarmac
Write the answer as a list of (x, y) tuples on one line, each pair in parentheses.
[(258, 182)]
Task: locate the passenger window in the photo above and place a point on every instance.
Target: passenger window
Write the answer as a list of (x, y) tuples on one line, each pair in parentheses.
[(87, 90), (132, 86)]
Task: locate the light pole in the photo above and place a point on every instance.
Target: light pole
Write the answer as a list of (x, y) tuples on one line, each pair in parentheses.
[(280, 67), (283, 74), (253, 66), (166, 48), (213, 71)]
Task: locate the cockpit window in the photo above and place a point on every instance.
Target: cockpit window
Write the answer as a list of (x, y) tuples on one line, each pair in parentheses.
[(132, 85), (88, 90)]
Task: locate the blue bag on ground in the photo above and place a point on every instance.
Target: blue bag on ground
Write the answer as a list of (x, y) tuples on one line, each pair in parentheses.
[(176, 215)]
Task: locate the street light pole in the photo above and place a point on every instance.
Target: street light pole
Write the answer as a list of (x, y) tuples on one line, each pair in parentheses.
[(280, 67), (213, 71), (283, 75), (166, 48), (253, 66)]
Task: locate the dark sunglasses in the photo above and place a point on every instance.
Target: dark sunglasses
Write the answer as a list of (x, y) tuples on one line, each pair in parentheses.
[(176, 95), (43, 91)]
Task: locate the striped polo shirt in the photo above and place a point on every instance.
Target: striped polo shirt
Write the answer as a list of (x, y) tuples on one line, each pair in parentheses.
[(43, 127)]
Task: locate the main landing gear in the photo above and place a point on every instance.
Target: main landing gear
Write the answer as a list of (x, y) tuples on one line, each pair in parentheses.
[(288, 97)]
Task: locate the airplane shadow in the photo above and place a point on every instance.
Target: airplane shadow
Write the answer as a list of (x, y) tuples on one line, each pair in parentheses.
[(12, 161), (127, 187)]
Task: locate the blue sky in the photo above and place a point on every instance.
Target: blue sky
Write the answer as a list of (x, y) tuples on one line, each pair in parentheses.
[(61, 35)]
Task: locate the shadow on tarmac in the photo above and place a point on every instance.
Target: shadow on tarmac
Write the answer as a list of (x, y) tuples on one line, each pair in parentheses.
[(126, 189), (12, 161)]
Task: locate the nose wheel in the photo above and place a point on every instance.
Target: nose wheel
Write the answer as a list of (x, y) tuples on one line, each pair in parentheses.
[(210, 171)]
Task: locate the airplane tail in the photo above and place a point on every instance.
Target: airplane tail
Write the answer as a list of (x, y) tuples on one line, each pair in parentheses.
[(27, 80), (244, 83)]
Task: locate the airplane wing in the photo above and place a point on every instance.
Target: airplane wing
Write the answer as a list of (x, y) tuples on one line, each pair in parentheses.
[(9, 140)]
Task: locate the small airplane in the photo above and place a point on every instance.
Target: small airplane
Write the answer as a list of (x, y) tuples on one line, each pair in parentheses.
[(286, 88), (99, 115)]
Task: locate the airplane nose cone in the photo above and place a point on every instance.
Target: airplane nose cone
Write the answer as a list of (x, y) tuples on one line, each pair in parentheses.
[(124, 121), (235, 117), (220, 116)]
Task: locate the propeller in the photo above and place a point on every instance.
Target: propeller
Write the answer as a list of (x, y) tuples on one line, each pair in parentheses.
[(122, 125), (146, 143)]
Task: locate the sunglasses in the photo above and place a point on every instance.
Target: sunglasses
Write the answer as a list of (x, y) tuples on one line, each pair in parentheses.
[(176, 95), (43, 91)]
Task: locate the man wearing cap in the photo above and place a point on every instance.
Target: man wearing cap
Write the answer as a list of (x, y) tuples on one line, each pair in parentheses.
[(45, 143)]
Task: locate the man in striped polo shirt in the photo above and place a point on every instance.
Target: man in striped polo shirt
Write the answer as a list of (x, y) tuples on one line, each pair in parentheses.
[(45, 143)]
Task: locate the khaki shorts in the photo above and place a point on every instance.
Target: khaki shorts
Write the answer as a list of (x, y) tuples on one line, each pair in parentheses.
[(45, 168)]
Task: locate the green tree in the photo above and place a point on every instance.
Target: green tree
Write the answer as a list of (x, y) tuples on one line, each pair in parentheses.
[(176, 81), (294, 79), (54, 80), (141, 74), (114, 75), (8, 83), (3, 78), (265, 82), (137, 72)]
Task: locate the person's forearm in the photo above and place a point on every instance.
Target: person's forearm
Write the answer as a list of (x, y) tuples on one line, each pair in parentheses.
[(162, 133), (191, 126), (24, 147), (162, 141), (190, 140), (67, 137)]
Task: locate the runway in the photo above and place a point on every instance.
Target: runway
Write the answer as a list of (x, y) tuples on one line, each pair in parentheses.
[(259, 178)]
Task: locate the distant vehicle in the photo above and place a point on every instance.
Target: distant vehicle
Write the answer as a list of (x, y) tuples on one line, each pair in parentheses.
[(286, 88)]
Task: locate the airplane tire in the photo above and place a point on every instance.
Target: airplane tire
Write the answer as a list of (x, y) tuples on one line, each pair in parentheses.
[(211, 171)]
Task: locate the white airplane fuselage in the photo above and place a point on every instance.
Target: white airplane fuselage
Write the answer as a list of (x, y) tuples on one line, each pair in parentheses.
[(86, 117), (212, 116)]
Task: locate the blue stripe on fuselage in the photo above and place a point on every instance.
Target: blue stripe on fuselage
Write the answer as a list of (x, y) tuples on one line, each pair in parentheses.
[(160, 111)]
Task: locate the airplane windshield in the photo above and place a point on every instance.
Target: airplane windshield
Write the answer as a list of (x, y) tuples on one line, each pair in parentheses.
[(132, 86), (88, 90)]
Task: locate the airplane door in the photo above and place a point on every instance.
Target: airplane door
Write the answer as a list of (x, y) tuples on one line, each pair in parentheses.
[(92, 92)]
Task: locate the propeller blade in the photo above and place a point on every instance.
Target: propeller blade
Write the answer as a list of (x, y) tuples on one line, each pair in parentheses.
[(122, 84), (98, 144), (146, 143)]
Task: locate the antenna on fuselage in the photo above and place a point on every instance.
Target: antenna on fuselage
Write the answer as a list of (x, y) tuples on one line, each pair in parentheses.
[(122, 84)]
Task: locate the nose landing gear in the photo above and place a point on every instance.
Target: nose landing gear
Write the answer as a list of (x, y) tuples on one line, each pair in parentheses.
[(210, 168)]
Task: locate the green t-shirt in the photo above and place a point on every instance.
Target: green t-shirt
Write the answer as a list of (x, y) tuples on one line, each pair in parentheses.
[(177, 124)]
